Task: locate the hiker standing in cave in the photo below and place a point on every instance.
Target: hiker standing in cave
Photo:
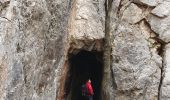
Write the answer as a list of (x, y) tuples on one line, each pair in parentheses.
[(89, 89)]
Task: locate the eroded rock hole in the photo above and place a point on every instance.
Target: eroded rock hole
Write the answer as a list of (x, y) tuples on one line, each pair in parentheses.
[(84, 65)]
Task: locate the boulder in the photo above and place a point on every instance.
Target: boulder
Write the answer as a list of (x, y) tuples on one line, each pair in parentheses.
[(132, 14)]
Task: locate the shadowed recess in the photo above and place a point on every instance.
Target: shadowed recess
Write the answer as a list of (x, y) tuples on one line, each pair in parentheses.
[(84, 65)]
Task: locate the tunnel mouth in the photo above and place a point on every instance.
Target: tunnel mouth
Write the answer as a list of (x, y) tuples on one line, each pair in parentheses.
[(83, 66)]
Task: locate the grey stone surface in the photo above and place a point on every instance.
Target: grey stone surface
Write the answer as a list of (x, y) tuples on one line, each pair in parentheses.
[(33, 39), (160, 21), (162, 10), (89, 19), (35, 36), (165, 88), (148, 2), (160, 26), (136, 66), (132, 14), (87, 24)]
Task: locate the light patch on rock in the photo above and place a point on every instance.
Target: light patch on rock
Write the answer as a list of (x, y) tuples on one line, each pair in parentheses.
[(30, 42), (136, 66), (165, 88), (3, 1), (161, 26), (88, 20), (132, 14), (10, 14), (148, 2), (162, 10), (144, 30)]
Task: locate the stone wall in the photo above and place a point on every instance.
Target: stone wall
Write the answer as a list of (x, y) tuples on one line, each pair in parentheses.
[(140, 50), (36, 35), (33, 41)]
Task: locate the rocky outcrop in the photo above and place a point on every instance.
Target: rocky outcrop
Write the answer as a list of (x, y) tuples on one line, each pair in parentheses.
[(151, 3), (165, 87), (33, 41), (162, 10), (89, 20), (132, 14), (136, 65), (36, 37), (159, 21), (87, 24)]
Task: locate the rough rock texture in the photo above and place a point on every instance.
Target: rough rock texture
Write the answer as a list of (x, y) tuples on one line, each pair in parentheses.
[(160, 20), (132, 14), (165, 88), (148, 2), (37, 35), (87, 24), (162, 10), (161, 27), (33, 38), (136, 66), (89, 19)]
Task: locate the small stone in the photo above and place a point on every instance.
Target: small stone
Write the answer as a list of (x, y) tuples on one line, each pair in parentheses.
[(132, 14), (161, 27), (165, 88), (162, 10), (151, 3)]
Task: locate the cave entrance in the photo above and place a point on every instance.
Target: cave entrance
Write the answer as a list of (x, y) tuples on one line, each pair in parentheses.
[(84, 65)]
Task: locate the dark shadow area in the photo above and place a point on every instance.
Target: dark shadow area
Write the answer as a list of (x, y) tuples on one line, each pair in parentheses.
[(83, 66)]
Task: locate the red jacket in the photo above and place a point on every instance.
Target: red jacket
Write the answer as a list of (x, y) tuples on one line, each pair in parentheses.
[(89, 88)]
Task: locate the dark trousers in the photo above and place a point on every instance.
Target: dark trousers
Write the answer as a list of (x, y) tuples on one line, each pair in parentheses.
[(90, 97)]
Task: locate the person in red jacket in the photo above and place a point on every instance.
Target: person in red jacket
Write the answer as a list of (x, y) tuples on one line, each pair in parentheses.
[(89, 89)]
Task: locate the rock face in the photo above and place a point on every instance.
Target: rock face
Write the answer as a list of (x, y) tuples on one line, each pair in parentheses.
[(165, 88), (33, 38), (89, 20), (136, 66), (132, 14), (148, 2), (37, 35), (87, 23), (161, 25), (162, 10)]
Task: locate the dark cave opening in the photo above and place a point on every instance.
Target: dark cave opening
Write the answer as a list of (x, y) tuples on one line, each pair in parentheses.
[(84, 65)]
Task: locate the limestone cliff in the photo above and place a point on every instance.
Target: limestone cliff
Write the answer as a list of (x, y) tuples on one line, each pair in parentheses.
[(36, 37)]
